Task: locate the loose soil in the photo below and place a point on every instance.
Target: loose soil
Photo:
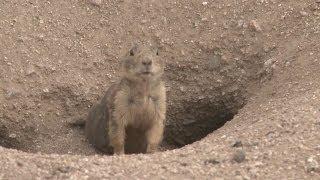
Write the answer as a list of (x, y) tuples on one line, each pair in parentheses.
[(242, 77)]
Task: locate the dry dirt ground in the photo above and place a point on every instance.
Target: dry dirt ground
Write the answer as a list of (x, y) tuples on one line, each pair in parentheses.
[(252, 63)]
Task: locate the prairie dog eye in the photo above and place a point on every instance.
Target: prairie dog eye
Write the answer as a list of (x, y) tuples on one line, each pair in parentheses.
[(131, 52)]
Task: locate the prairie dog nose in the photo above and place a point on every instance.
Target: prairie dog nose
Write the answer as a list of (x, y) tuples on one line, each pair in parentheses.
[(147, 62)]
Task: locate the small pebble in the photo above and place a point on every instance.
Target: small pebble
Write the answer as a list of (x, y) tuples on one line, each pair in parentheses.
[(19, 163), (255, 25), (303, 13), (312, 165), (30, 70), (239, 156), (237, 143), (211, 161), (96, 2), (65, 169), (12, 135), (183, 164), (204, 3)]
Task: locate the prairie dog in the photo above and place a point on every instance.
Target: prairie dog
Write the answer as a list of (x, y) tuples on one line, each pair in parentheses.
[(131, 116)]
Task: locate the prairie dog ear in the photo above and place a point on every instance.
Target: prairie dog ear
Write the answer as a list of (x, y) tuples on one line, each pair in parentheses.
[(133, 49)]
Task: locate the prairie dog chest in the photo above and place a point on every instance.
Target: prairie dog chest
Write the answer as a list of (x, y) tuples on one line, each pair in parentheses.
[(141, 109)]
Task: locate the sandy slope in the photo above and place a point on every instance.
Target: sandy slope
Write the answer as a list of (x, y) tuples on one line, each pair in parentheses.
[(278, 128)]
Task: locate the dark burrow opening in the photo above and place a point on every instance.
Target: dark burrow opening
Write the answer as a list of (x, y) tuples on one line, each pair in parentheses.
[(191, 122), (194, 131), (199, 119), (194, 127)]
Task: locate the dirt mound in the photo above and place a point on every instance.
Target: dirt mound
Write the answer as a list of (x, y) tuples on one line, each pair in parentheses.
[(59, 57), (66, 56)]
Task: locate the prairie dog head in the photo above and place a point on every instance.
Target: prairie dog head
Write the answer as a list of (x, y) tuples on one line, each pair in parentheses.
[(142, 63)]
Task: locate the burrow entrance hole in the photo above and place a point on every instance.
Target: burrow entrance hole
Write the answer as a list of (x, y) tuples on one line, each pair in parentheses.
[(194, 122), (199, 119)]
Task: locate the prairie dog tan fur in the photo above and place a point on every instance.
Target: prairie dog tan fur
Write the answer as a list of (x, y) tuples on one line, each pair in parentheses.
[(130, 118)]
